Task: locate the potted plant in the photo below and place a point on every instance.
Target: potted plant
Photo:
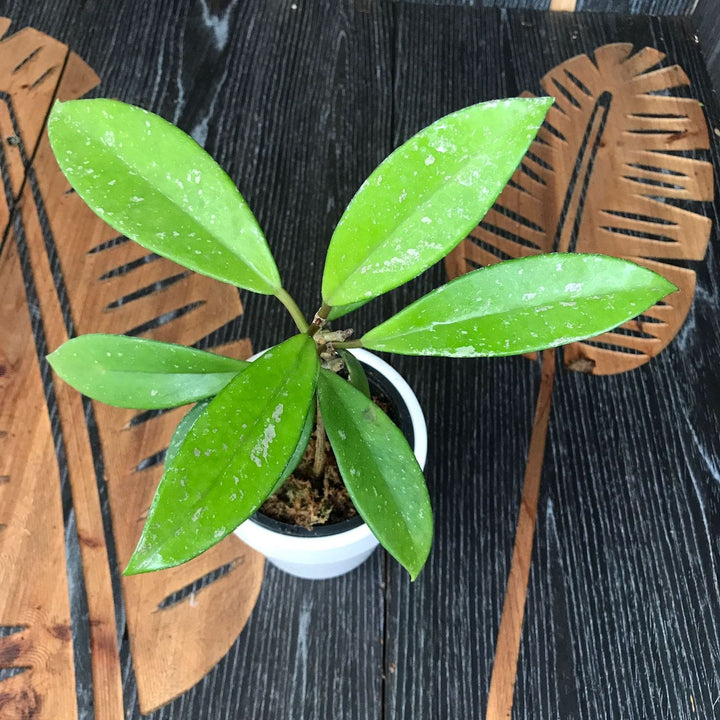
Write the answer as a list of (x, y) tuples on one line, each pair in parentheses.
[(326, 550), (253, 421)]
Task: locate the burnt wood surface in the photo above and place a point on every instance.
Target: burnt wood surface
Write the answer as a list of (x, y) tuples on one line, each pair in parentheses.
[(299, 101), (706, 16)]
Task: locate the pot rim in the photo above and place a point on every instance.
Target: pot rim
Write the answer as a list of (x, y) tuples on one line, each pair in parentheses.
[(278, 540)]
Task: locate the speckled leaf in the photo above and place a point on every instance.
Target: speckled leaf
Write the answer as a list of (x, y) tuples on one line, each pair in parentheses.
[(421, 201), (297, 456), (520, 306), (232, 457), (156, 185), (183, 428), (132, 372), (379, 470), (194, 413)]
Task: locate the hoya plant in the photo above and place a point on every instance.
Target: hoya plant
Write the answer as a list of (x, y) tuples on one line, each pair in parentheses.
[(252, 421)]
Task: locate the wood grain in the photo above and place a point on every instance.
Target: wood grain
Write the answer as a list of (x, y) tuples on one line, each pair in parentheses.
[(37, 657), (228, 581), (139, 293), (707, 21), (441, 629), (605, 175), (507, 647), (76, 79), (36, 660), (542, 692), (600, 177), (283, 101), (622, 595)]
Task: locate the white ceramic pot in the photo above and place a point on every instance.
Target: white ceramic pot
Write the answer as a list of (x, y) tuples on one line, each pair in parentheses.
[(328, 551)]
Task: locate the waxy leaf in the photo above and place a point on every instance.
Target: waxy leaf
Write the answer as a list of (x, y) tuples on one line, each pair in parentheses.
[(341, 310), (194, 413), (297, 456), (421, 201), (156, 185), (182, 429), (520, 306), (356, 375), (132, 372), (379, 470), (232, 457)]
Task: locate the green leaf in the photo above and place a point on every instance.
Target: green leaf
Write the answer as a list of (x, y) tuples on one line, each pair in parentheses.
[(356, 375), (132, 372), (522, 305), (194, 413), (421, 201), (379, 470), (182, 429), (297, 456), (342, 310), (153, 183), (232, 457)]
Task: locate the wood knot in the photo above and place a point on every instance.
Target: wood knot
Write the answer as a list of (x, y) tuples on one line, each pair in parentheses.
[(24, 704), (9, 653), (88, 541), (61, 632)]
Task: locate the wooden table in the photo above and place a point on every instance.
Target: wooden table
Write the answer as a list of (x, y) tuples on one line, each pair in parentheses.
[(299, 101)]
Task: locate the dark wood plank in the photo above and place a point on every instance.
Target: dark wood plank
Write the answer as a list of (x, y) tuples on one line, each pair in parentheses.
[(707, 19), (639, 7), (623, 588), (299, 106), (296, 105), (441, 629)]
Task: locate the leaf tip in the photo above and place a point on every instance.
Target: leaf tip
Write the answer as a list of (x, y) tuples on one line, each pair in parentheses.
[(668, 287), (142, 562), (415, 569), (546, 100)]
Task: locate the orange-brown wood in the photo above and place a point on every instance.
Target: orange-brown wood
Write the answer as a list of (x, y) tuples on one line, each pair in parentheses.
[(176, 636), (175, 639), (507, 649), (34, 597), (107, 681), (563, 5), (33, 581), (603, 176)]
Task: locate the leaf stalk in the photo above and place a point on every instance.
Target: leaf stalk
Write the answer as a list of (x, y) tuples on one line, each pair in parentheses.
[(292, 307), (347, 344)]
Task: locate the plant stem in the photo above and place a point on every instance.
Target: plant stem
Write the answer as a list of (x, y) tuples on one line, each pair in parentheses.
[(348, 344), (285, 298), (319, 320), (319, 463)]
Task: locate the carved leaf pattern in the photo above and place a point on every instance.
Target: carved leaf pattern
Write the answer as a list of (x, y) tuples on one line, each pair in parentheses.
[(612, 171), (110, 284)]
